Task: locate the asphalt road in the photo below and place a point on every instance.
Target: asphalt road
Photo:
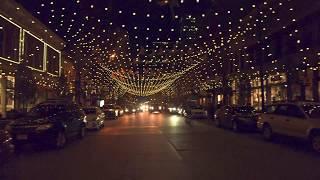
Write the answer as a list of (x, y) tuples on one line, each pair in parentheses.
[(164, 147)]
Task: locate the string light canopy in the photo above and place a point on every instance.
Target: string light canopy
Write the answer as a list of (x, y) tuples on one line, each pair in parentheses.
[(144, 47)]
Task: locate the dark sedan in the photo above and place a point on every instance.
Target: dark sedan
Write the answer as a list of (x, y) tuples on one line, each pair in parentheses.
[(51, 122), (237, 118)]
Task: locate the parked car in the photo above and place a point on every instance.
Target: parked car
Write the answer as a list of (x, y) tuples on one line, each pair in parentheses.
[(110, 111), (196, 111), (236, 117), (53, 122), (6, 146), (299, 120), (95, 117)]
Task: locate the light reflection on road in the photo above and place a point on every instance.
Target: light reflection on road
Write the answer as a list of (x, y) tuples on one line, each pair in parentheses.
[(174, 120), (144, 119)]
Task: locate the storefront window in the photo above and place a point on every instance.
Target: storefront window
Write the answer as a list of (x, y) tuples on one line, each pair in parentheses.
[(9, 40), (10, 99), (220, 98), (278, 93), (256, 95), (9, 93), (277, 88), (10, 82), (256, 98), (235, 92)]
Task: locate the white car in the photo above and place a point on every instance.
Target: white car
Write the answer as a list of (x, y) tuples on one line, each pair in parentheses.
[(95, 117), (299, 119), (196, 112)]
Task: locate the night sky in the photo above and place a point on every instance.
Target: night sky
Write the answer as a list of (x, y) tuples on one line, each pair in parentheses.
[(145, 39)]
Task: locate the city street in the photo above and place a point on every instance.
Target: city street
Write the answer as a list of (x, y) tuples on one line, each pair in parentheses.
[(147, 146), (68, 67)]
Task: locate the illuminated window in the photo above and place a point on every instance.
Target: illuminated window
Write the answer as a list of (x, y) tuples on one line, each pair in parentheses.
[(52, 61), (33, 49), (278, 90), (9, 40)]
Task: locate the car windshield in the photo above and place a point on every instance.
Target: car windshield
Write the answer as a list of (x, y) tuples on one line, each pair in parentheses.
[(244, 109), (313, 110), (90, 110), (45, 110)]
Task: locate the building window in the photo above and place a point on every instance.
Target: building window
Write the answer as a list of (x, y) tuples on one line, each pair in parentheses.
[(277, 88), (10, 99), (9, 93), (33, 49), (256, 95), (53, 59), (235, 92), (10, 82), (308, 77), (220, 98), (9, 40)]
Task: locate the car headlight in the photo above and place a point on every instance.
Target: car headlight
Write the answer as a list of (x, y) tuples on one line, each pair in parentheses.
[(44, 127)]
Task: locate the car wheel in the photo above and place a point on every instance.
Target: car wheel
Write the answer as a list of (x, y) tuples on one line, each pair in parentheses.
[(82, 132), (60, 140), (217, 123), (267, 132), (315, 142), (235, 126)]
